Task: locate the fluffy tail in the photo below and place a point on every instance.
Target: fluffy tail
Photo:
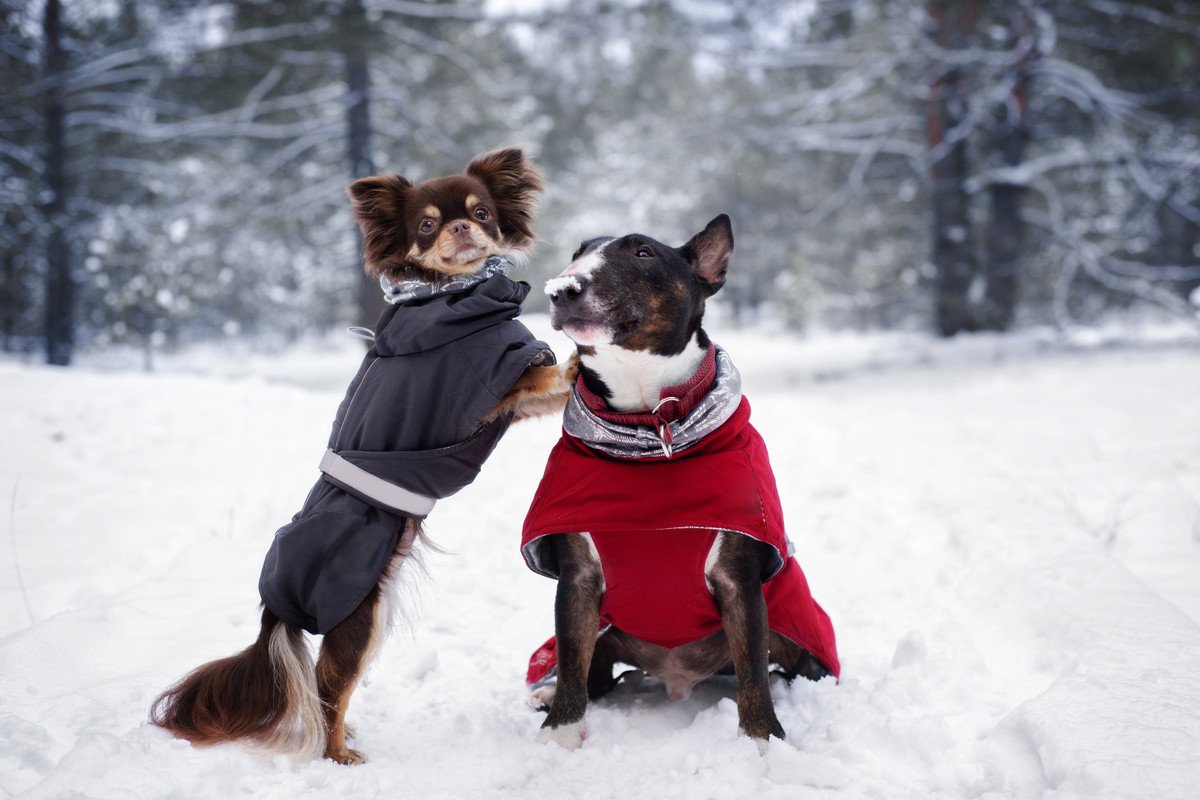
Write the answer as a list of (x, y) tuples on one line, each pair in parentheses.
[(265, 696)]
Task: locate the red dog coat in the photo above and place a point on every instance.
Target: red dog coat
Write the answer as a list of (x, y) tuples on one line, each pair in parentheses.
[(653, 522)]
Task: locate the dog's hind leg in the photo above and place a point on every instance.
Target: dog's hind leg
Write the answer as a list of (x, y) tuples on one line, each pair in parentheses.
[(345, 652), (576, 618), (736, 580), (600, 680), (349, 647)]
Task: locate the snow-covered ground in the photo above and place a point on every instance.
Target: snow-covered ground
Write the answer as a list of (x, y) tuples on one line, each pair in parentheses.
[(1005, 532)]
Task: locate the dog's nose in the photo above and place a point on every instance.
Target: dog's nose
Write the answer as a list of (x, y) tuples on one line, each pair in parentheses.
[(565, 288), (459, 227)]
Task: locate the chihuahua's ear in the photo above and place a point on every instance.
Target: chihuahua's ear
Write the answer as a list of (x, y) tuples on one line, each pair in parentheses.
[(378, 207), (709, 250), (514, 182)]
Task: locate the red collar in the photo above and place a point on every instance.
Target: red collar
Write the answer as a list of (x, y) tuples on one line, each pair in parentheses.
[(688, 394)]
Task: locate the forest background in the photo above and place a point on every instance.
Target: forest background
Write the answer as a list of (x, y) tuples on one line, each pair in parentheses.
[(173, 171)]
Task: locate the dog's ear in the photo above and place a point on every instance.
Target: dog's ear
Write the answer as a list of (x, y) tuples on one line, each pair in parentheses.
[(514, 182), (378, 205), (708, 252)]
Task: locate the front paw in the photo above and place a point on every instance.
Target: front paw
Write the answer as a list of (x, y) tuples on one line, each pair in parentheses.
[(761, 730), (569, 735), (570, 370)]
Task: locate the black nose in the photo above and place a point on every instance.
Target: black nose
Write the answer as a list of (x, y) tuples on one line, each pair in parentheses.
[(566, 288)]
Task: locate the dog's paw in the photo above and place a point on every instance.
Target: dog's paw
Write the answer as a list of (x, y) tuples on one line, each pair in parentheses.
[(762, 734), (569, 736), (541, 698), (346, 755), (570, 370)]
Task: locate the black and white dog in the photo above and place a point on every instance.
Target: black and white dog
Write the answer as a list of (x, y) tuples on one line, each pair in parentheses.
[(658, 513)]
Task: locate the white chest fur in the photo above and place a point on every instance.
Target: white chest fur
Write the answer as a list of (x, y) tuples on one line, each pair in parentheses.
[(636, 378)]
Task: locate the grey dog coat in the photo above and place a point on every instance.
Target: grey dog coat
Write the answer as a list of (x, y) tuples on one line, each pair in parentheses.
[(408, 432)]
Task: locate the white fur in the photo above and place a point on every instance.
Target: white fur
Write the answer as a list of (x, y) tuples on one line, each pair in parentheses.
[(586, 265), (580, 271), (519, 259), (710, 561), (541, 697), (589, 335), (398, 599), (637, 377), (302, 733), (569, 736), (595, 554)]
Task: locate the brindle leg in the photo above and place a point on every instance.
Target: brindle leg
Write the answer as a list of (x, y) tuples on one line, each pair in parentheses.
[(600, 679), (576, 618), (737, 587)]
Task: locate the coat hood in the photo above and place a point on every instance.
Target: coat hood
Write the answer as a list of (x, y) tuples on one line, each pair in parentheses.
[(426, 323)]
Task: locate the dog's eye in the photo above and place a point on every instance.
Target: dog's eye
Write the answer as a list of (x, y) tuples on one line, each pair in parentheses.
[(644, 252), (482, 214), (427, 225)]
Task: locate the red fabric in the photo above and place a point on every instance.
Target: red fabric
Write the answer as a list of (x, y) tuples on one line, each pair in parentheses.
[(653, 523), (544, 659)]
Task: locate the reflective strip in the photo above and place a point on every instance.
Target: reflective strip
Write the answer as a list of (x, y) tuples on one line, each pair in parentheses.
[(374, 487)]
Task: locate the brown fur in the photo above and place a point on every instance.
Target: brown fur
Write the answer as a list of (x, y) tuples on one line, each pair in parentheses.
[(389, 210), (512, 181), (539, 391), (232, 698), (345, 652)]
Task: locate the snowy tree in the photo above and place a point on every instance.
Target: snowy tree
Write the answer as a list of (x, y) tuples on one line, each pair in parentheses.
[(1000, 118), (951, 166)]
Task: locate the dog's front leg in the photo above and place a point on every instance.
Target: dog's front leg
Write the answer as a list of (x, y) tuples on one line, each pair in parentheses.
[(537, 392), (576, 619), (736, 580)]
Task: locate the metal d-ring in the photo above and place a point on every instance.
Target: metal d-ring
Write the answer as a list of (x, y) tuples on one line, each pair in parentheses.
[(660, 404), (661, 427)]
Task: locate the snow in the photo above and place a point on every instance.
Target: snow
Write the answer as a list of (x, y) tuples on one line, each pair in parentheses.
[(562, 283), (1006, 534)]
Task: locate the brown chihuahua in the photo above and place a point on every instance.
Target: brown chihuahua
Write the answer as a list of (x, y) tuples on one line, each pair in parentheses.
[(450, 369)]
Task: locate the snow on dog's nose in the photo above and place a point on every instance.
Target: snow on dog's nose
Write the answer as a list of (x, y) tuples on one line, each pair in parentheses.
[(564, 288), (570, 285), (577, 311)]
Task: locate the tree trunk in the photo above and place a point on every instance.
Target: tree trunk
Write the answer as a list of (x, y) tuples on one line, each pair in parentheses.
[(953, 242), (1006, 235), (1177, 240), (355, 32), (9, 300), (60, 291)]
